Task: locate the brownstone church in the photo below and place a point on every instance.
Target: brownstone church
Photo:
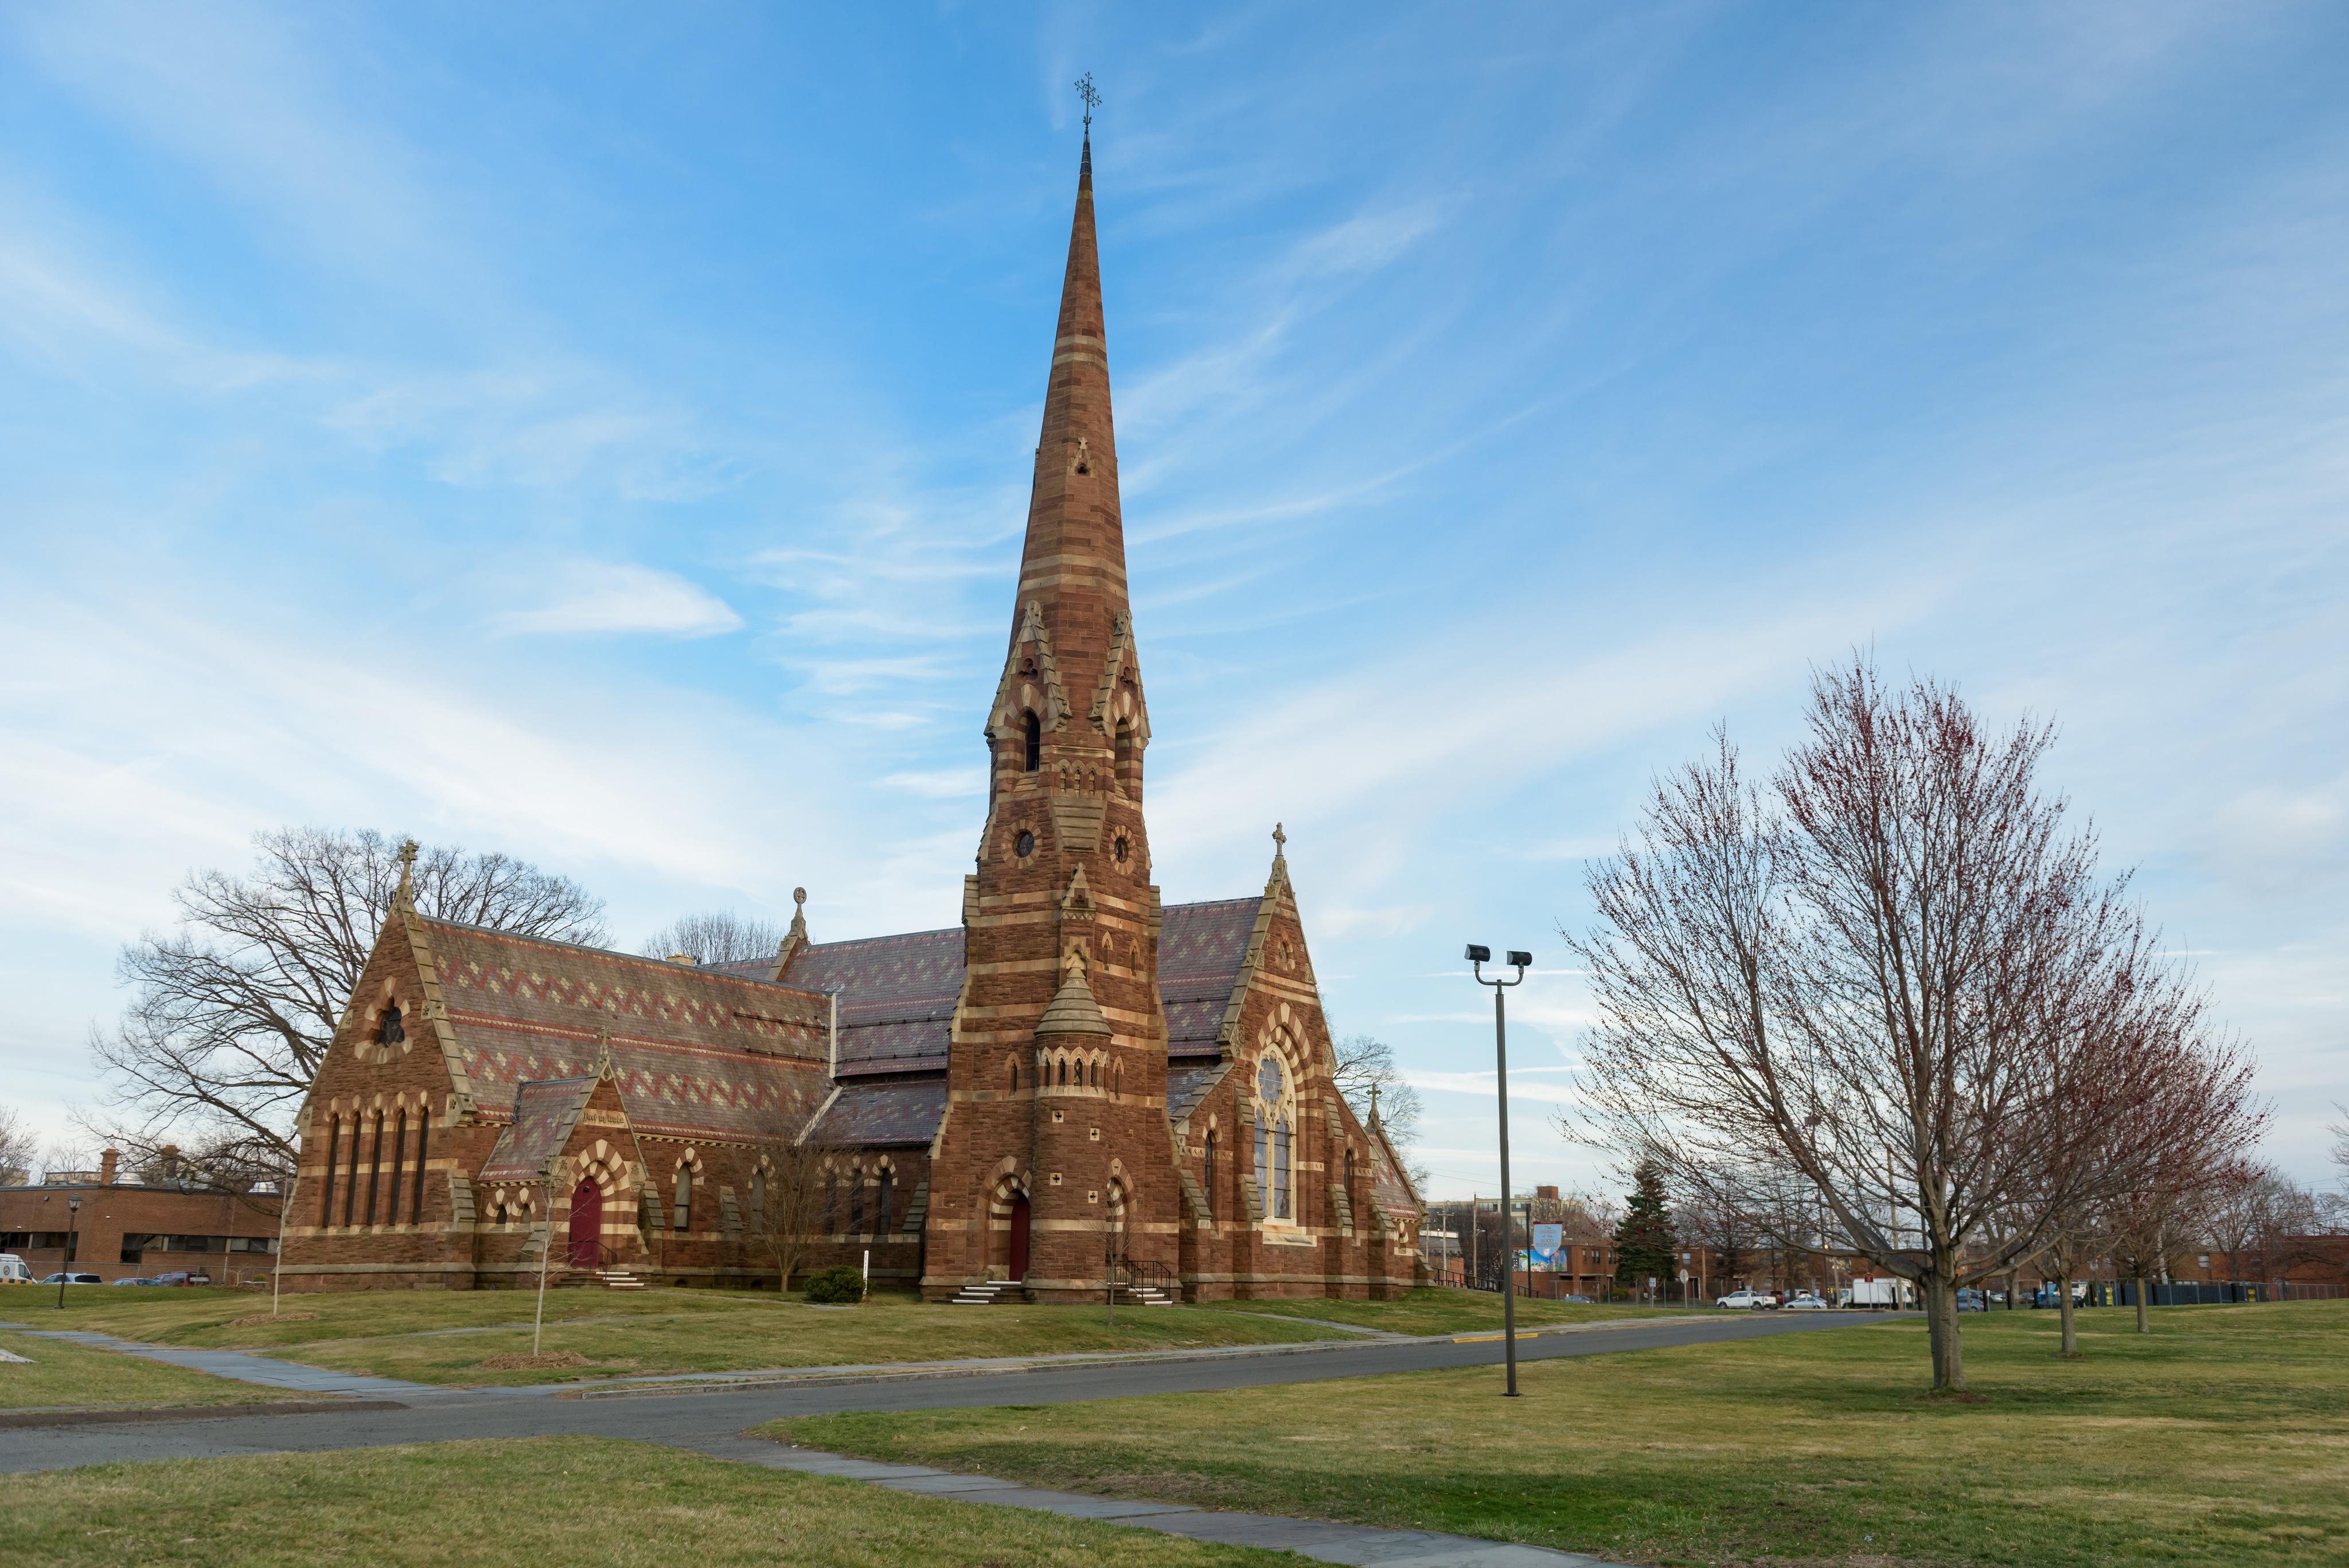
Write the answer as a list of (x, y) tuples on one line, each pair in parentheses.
[(1075, 1082)]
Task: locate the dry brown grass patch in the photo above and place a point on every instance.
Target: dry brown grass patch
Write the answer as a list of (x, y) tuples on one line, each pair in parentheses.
[(523, 1361)]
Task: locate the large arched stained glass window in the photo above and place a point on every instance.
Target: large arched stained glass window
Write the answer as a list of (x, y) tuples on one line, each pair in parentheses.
[(1274, 1121)]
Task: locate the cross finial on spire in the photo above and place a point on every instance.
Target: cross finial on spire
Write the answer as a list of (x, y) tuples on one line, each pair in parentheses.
[(408, 871), (1084, 85), (1280, 842)]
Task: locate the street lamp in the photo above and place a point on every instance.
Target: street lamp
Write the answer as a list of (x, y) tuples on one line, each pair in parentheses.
[(73, 1214), (1478, 957)]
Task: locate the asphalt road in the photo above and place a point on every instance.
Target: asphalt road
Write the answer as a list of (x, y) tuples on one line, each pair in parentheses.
[(703, 1421)]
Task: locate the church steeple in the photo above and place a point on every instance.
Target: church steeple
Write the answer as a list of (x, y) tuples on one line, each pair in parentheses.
[(1071, 678), (1059, 1063), (1074, 560)]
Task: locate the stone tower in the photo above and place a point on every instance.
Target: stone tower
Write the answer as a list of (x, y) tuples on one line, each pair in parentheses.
[(1055, 1145)]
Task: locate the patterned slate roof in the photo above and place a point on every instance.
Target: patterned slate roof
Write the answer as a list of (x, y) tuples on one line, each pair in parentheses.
[(1387, 1185), (897, 997), (544, 1112), (1200, 950), (694, 1052), (870, 1115), (1186, 1086), (897, 994)]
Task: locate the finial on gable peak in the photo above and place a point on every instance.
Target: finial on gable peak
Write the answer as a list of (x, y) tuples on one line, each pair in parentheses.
[(407, 893), (1280, 846), (799, 914)]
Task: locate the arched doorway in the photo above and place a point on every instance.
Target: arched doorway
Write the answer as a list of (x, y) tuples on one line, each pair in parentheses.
[(1019, 1237), (586, 1224)]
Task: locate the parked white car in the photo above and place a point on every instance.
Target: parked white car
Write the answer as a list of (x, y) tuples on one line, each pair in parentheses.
[(1748, 1301), (1807, 1303)]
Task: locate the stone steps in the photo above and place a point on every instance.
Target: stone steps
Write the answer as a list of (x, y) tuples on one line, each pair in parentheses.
[(990, 1293)]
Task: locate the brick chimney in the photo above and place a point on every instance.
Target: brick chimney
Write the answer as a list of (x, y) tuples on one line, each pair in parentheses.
[(107, 1161), (689, 959)]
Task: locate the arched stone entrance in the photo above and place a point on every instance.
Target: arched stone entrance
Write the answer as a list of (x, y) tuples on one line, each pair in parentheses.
[(586, 1224)]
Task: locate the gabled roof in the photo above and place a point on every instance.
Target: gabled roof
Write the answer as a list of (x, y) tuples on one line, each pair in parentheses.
[(869, 1115), (544, 1112), (897, 997), (694, 1051), (1201, 951)]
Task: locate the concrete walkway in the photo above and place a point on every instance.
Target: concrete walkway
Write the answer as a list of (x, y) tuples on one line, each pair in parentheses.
[(1317, 1538), (244, 1367)]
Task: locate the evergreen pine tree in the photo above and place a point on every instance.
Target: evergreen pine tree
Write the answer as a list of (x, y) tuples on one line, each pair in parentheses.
[(1645, 1248)]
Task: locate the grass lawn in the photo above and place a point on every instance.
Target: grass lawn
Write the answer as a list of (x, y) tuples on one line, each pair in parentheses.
[(1453, 1312), (530, 1503), (405, 1334), (63, 1376), (2223, 1436)]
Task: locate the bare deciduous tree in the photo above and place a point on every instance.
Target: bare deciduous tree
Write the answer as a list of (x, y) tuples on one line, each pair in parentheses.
[(1366, 1063), (232, 1012), (17, 1147), (1894, 972), (792, 1171), (719, 936)]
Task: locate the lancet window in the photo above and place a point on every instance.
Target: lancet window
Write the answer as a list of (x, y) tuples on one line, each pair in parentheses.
[(1276, 1124)]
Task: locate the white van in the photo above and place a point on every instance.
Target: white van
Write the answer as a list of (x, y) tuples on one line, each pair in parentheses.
[(13, 1270)]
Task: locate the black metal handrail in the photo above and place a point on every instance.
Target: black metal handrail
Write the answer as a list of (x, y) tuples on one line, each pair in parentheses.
[(1144, 1274)]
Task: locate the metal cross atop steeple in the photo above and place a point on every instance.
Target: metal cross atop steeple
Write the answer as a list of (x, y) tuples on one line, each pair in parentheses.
[(1092, 99)]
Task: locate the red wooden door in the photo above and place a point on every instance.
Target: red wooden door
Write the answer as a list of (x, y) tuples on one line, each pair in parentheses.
[(1019, 1237), (586, 1224)]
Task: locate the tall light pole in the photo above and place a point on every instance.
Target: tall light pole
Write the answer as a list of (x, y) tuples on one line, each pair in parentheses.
[(1478, 957), (73, 1223)]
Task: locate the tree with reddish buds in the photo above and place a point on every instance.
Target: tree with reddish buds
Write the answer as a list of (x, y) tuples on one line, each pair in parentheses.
[(1894, 972)]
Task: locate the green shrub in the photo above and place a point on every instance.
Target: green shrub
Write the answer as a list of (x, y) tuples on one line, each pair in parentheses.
[(836, 1285)]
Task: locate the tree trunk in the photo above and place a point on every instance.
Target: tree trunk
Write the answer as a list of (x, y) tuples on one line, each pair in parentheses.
[(1941, 1325), (2144, 1317), (2071, 1350)]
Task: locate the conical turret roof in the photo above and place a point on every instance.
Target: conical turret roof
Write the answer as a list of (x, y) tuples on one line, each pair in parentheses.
[(1072, 1010)]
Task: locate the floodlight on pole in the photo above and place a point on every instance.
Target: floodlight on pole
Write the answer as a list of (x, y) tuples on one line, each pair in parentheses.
[(1478, 957)]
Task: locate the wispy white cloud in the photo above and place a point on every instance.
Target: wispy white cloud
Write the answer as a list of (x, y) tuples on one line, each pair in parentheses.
[(592, 597), (953, 783)]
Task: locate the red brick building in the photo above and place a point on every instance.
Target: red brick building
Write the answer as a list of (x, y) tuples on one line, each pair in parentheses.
[(162, 1222), (1073, 1067)]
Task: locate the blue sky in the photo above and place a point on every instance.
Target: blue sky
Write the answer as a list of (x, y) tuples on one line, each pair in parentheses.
[(602, 434)]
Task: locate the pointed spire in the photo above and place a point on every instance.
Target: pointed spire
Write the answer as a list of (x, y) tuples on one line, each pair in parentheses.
[(1072, 566)]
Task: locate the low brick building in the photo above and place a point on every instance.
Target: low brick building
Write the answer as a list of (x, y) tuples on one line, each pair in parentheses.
[(138, 1228), (1072, 1073)]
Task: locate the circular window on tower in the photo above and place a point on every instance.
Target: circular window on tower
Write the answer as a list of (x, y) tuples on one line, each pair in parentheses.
[(1120, 847), (1025, 845)]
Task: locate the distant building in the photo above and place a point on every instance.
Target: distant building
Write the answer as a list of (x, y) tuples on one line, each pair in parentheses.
[(134, 1229)]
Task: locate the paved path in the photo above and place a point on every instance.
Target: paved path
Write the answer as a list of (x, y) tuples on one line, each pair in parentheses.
[(711, 1420)]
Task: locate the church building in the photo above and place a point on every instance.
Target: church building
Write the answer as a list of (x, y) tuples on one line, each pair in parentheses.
[(1075, 1089)]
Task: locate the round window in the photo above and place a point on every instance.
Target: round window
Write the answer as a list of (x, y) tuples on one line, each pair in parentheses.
[(1025, 845), (1121, 849)]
